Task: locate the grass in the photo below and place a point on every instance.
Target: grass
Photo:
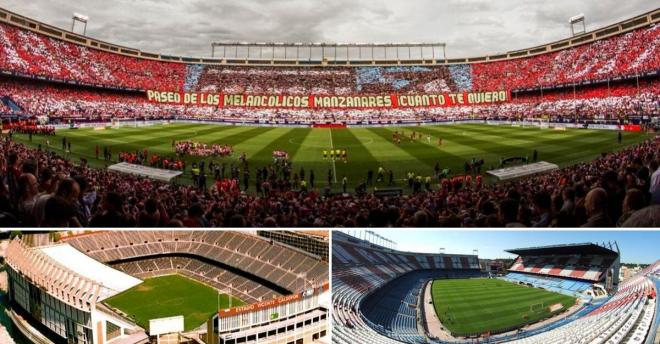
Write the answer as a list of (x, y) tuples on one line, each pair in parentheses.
[(168, 296), (476, 306), (368, 148)]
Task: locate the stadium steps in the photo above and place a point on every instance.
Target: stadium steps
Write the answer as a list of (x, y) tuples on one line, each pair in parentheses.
[(11, 104), (644, 323), (193, 73)]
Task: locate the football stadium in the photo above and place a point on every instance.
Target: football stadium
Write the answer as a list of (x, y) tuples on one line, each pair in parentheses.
[(568, 293), (98, 134), (134, 287)]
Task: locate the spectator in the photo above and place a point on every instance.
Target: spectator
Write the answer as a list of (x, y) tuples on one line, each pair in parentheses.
[(633, 202), (112, 214), (654, 187), (508, 213), (648, 217), (28, 189), (542, 204), (596, 206)]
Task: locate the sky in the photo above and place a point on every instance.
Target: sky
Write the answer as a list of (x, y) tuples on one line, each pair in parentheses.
[(468, 27), (641, 247)]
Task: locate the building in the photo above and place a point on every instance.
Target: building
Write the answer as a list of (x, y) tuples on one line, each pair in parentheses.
[(50, 302)]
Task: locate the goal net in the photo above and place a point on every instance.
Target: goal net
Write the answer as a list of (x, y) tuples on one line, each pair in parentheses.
[(542, 123), (536, 308)]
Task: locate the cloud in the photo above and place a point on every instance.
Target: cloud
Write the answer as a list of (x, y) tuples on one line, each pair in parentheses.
[(469, 27)]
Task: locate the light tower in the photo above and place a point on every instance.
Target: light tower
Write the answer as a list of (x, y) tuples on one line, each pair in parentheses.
[(578, 19), (77, 17)]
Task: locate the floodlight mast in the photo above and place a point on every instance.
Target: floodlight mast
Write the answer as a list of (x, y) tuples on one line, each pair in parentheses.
[(77, 17), (578, 19), (366, 52)]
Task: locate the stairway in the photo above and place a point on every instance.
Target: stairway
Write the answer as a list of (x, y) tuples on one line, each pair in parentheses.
[(11, 104)]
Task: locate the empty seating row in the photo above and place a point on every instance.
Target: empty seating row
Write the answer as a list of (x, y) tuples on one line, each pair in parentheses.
[(563, 286), (587, 267), (623, 319), (353, 252)]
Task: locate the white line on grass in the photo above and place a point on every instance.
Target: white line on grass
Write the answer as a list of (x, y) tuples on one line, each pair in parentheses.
[(334, 166)]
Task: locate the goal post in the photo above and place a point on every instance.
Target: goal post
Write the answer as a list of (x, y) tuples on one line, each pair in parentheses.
[(536, 308), (541, 123)]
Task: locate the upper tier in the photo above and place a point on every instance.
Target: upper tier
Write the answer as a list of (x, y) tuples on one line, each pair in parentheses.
[(31, 48), (348, 251)]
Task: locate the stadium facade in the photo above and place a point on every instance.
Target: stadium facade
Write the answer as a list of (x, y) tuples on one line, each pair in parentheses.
[(381, 295), (58, 293)]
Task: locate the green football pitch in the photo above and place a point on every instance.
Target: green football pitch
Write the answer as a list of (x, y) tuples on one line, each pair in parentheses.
[(169, 296), (476, 306), (367, 148)]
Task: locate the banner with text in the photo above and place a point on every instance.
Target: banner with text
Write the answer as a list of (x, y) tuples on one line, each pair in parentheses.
[(391, 101)]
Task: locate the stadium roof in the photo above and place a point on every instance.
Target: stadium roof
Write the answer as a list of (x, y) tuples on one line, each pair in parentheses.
[(583, 248), (112, 281)]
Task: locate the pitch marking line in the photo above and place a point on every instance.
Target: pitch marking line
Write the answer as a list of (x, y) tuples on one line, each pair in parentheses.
[(294, 140), (334, 166)]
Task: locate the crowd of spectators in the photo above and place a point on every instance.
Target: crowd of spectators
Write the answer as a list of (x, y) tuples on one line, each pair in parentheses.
[(40, 188), (618, 56), (29, 53), (43, 189), (64, 103), (26, 52), (323, 81), (33, 54), (59, 102)]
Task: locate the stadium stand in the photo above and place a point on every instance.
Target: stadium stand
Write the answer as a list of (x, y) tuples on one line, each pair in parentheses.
[(360, 268), (376, 302), (394, 308), (59, 80), (59, 201), (28, 53), (622, 55), (242, 287), (590, 268), (61, 103), (626, 318), (315, 242), (582, 270), (570, 287), (625, 56), (264, 259)]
